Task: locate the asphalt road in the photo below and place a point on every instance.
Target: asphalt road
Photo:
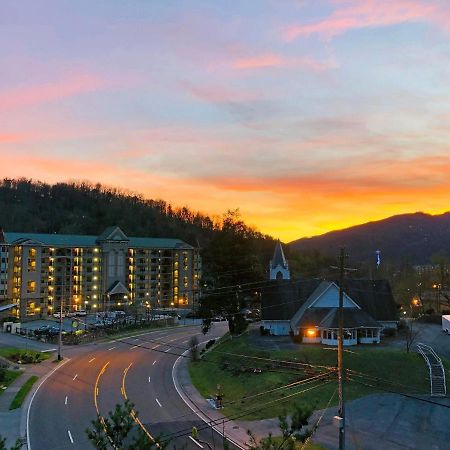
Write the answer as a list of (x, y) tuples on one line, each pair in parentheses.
[(99, 376)]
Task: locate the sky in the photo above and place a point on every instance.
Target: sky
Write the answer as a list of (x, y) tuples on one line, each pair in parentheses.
[(308, 116)]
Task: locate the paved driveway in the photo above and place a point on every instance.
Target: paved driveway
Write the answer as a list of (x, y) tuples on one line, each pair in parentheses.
[(389, 422)]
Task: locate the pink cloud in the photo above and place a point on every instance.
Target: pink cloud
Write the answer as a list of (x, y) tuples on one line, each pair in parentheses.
[(48, 92), (271, 60), (356, 14), (220, 94)]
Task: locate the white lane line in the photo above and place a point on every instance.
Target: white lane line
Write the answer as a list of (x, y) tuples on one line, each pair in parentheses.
[(134, 346), (112, 348), (65, 400), (34, 395), (195, 441), (149, 379), (156, 346), (168, 350), (186, 341), (91, 360), (154, 362), (70, 436), (173, 340), (159, 403), (49, 350), (137, 339), (75, 377)]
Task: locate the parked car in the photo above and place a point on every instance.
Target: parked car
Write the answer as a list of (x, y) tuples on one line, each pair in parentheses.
[(57, 315), (71, 314), (81, 312)]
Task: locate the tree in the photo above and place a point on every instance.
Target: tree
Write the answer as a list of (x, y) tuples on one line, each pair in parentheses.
[(17, 446), (411, 335), (237, 324), (290, 432), (116, 429)]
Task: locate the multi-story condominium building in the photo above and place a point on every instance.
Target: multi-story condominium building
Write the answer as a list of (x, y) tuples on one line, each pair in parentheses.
[(96, 272)]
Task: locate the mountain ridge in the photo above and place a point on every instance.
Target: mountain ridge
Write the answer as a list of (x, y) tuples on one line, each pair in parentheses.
[(412, 236)]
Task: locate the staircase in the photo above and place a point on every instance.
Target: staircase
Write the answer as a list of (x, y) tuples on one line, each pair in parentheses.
[(438, 387)]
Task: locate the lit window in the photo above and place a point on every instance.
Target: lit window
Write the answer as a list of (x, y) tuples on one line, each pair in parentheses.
[(31, 287)]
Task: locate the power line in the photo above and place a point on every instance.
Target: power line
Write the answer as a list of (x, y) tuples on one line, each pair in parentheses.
[(211, 423)]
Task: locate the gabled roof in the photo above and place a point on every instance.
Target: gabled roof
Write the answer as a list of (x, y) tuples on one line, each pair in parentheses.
[(373, 296), (323, 287), (113, 233), (117, 288), (282, 299), (278, 257), (353, 318)]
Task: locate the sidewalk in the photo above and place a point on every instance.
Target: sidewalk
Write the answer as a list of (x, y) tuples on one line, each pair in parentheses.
[(12, 423), (235, 431)]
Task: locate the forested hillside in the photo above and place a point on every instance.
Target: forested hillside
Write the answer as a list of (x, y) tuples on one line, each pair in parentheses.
[(227, 244)]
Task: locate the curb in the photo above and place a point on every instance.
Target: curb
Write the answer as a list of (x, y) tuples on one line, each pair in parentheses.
[(194, 408)]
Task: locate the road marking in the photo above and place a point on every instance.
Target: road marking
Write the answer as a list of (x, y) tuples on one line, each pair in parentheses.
[(154, 362), (97, 381), (75, 377), (70, 436), (168, 350), (49, 350), (137, 339), (159, 403), (32, 398), (149, 379), (65, 400), (156, 346), (91, 360), (134, 346), (173, 340), (122, 389), (112, 348), (186, 341), (195, 441)]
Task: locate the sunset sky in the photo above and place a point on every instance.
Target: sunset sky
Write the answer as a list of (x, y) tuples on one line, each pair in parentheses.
[(307, 115)]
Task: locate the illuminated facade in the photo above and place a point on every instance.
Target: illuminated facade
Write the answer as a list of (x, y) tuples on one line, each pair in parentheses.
[(97, 272)]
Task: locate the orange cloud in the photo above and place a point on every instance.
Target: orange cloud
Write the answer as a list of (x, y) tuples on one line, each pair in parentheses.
[(355, 14), (48, 92)]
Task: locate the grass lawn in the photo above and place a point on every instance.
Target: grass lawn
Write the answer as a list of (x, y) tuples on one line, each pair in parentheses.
[(25, 356), (7, 377), (23, 392), (223, 366)]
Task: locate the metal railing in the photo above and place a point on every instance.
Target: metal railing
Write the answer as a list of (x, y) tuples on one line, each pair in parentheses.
[(426, 351)]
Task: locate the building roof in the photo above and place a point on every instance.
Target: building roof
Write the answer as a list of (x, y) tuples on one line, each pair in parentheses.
[(76, 240), (278, 257), (353, 318), (283, 298)]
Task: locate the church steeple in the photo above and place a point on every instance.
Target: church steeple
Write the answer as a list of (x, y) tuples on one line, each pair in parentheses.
[(279, 268)]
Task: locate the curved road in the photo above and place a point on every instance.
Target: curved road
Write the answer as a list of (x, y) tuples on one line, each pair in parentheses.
[(98, 376)]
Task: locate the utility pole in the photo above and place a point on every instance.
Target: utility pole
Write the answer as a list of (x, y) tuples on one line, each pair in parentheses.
[(63, 289), (340, 352)]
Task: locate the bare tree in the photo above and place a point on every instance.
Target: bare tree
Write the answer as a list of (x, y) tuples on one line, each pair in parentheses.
[(411, 335)]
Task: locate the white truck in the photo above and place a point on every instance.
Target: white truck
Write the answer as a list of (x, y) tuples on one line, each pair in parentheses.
[(446, 324)]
